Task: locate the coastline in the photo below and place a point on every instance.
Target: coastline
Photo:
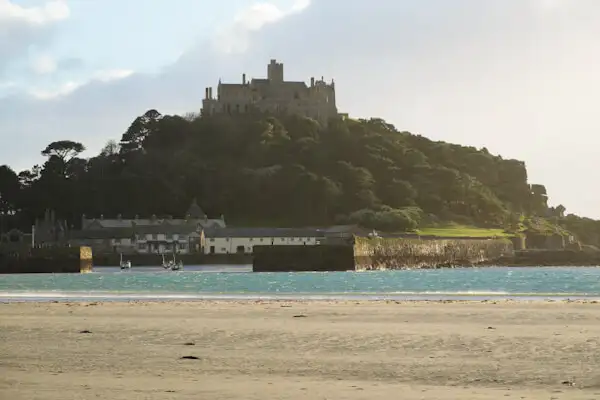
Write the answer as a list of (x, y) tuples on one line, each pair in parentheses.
[(300, 349)]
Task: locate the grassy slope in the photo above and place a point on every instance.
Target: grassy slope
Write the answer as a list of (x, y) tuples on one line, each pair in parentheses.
[(462, 231)]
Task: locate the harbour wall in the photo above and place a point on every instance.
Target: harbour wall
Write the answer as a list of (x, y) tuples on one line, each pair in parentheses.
[(47, 260), (299, 258), (367, 254), (393, 253)]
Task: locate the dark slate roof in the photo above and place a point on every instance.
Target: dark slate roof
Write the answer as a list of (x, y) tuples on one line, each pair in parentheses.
[(261, 232), (108, 233), (195, 211), (127, 232)]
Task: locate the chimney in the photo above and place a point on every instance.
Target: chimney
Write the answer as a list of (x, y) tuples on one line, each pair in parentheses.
[(206, 93), (312, 82), (136, 216), (210, 93), (82, 221), (153, 218), (101, 217), (244, 79), (119, 217)]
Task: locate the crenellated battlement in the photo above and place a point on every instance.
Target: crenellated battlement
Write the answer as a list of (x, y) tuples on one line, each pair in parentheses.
[(273, 94)]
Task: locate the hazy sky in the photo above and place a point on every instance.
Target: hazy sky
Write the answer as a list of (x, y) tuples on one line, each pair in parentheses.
[(520, 77)]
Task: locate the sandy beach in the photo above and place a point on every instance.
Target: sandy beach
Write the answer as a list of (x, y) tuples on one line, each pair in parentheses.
[(300, 350)]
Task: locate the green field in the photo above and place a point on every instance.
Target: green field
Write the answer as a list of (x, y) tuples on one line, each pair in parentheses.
[(462, 231)]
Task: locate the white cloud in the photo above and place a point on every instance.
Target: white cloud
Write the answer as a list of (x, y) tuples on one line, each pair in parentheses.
[(44, 64), (111, 74), (50, 12), (235, 37), (62, 90), (103, 76)]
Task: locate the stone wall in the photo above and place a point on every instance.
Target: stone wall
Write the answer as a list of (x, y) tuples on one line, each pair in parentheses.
[(394, 253)]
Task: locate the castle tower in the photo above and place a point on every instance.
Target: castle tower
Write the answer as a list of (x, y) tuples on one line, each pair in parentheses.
[(275, 71)]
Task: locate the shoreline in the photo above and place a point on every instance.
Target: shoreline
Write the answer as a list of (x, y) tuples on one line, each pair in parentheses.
[(317, 299)]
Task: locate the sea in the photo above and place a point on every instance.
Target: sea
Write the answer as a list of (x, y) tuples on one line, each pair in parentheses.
[(238, 282)]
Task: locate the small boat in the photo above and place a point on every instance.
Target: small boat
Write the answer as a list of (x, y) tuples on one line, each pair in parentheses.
[(166, 264), (125, 264), (176, 266)]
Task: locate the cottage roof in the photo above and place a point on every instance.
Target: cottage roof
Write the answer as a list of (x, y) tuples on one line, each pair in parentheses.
[(195, 211), (127, 232), (261, 232)]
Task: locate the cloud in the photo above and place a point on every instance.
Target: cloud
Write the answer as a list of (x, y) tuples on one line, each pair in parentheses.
[(234, 38), (103, 76), (497, 73), (44, 65), (50, 12), (22, 26)]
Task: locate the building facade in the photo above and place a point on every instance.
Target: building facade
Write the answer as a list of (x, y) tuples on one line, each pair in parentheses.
[(243, 240), (147, 235), (274, 95)]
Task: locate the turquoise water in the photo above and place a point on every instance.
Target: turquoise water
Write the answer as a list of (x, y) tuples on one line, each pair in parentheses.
[(234, 282)]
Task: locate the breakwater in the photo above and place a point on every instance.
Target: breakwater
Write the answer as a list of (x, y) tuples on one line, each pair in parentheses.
[(367, 254), (550, 258), (394, 253), (47, 260), (299, 258)]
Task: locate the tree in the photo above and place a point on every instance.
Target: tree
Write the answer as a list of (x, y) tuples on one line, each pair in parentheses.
[(64, 150), (9, 190), (285, 170)]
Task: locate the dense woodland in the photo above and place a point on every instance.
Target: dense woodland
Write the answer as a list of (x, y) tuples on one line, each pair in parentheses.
[(285, 171)]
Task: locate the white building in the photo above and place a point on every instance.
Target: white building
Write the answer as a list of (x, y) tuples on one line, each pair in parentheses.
[(243, 240)]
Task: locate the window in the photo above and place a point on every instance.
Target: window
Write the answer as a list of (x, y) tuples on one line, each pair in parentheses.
[(250, 240), (211, 240), (142, 246), (212, 249), (292, 239), (282, 239), (181, 246), (117, 241), (169, 236)]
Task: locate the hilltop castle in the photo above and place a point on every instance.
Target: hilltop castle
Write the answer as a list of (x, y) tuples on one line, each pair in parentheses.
[(274, 95)]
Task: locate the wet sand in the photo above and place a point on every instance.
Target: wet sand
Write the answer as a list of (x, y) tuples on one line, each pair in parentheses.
[(300, 350)]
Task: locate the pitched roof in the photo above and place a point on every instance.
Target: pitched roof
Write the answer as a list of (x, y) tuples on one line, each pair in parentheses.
[(261, 232), (195, 211)]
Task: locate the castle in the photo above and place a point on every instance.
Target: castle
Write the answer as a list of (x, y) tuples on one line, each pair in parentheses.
[(273, 95)]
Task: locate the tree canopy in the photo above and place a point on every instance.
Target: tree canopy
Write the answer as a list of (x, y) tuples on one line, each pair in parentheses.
[(283, 170)]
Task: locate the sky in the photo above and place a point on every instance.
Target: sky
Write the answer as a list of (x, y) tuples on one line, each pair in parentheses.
[(519, 77)]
